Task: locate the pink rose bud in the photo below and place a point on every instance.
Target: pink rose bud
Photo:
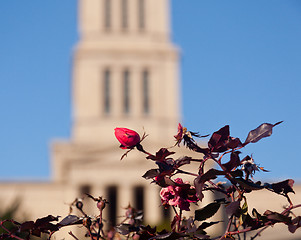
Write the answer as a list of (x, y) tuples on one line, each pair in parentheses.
[(127, 137)]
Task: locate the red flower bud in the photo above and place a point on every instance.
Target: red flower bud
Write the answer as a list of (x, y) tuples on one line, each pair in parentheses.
[(128, 138)]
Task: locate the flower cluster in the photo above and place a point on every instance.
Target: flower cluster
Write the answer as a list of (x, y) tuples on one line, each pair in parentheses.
[(180, 195)]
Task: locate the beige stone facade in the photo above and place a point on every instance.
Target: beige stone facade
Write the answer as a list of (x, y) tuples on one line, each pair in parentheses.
[(125, 74)]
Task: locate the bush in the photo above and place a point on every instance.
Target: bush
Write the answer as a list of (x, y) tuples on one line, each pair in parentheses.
[(178, 194)]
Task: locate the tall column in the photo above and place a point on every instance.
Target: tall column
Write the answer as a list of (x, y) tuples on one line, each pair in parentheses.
[(152, 205)]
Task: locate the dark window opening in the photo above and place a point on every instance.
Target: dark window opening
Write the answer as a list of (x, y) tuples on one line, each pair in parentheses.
[(107, 14), (139, 198), (112, 199), (141, 14), (126, 91), (145, 90), (124, 14), (106, 91)]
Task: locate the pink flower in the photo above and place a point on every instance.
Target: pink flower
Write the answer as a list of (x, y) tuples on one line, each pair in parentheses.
[(180, 134), (127, 137), (180, 195)]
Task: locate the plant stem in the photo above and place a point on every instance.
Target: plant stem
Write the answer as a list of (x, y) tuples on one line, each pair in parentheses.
[(228, 227), (179, 221), (175, 210), (71, 233)]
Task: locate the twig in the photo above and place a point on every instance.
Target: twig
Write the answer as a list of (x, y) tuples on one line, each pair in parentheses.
[(173, 207), (228, 227), (73, 235), (259, 232), (179, 220)]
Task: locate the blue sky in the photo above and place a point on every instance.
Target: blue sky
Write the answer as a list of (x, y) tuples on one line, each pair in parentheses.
[(240, 65)]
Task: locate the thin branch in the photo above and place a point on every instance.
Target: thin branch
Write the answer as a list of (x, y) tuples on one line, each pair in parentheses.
[(71, 233)]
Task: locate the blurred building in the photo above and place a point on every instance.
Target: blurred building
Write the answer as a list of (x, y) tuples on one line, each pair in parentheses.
[(125, 74)]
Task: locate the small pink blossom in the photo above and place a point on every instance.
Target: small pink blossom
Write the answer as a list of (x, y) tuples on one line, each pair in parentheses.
[(180, 195)]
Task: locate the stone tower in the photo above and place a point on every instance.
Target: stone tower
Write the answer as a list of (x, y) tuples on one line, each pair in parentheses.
[(125, 74), (125, 70)]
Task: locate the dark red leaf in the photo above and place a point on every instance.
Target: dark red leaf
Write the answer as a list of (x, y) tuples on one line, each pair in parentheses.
[(256, 214), (151, 173), (205, 225), (164, 181), (277, 217), (190, 143), (237, 173), (168, 236), (207, 211), (42, 221), (36, 232), (283, 187), (69, 220), (234, 143), (182, 161), (248, 184), (160, 155), (232, 208), (200, 180), (125, 228), (296, 223), (264, 130), (26, 226), (218, 140), (234, 161)]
